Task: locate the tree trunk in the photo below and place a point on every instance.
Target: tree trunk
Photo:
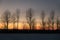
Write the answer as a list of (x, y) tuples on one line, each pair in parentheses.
[(7, 25), (14, 25)]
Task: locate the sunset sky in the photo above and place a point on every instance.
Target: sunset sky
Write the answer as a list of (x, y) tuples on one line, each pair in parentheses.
[(36, 5)]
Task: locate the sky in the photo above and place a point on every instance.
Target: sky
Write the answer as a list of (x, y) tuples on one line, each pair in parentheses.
[(36, 5)]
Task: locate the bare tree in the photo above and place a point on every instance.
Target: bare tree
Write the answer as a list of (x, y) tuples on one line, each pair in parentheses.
[(42, 17), (33, 24), (13, 18), (6, 18), (57, 23), (49, 22), (18, 16), (29, 17), (52, 18), (24, 25)]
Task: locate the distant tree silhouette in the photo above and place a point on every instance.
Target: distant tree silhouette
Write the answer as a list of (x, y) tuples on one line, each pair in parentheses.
[(49, 22), (6, 18), (42, 17), (33, 24), (52, 18), (29, 17), (58, 23), (13, 18), (24, 25), (18, 16)]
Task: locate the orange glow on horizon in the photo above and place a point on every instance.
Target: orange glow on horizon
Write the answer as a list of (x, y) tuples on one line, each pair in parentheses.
[(26, 26)]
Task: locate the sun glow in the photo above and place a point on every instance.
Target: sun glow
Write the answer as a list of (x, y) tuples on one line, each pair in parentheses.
[(26, 26), (1, 26)]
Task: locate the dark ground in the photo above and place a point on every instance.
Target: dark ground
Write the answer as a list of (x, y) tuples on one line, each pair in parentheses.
[(29, 31), (17, 36), (29, 35)]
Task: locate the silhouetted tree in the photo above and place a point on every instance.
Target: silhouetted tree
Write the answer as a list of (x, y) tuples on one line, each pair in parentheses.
[(33, 24), (57, 23), (13, 18), (52, 18), (29, 17), (18, 16), (6, 18), (42, 17), (24, 25), (49, 22)]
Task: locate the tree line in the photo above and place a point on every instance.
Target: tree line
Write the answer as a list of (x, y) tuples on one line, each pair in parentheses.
[(7, 17)]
